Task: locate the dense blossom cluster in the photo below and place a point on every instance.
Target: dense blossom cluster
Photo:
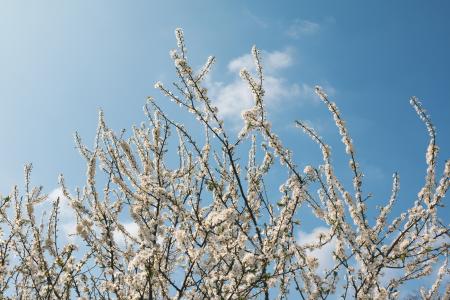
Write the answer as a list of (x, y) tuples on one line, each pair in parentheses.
[(207, 228)]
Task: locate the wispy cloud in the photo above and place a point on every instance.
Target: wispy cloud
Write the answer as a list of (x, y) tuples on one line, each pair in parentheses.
[(301, 27), (234, 97)]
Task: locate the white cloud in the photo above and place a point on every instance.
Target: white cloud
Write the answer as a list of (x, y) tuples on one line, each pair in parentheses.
[(324, 254), (231, 98), (66, 212), (234, 97), (67, 220), (279, 60), (66, 215), (244, 61), (131, 227), (272, 61), (300, 28), (69, 229)]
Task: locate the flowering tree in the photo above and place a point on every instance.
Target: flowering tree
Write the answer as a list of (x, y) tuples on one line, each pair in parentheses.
[(206, 227)]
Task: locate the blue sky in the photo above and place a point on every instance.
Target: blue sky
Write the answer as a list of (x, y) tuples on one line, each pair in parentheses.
[(60, 61)]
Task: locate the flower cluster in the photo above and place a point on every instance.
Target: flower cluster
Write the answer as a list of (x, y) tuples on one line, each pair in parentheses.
[(198, 221)]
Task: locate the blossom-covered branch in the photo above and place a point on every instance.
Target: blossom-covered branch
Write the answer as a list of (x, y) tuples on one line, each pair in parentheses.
[(168, 212)]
